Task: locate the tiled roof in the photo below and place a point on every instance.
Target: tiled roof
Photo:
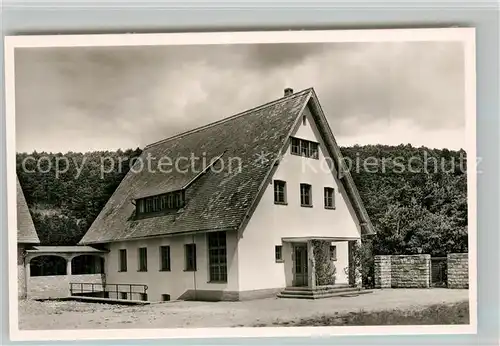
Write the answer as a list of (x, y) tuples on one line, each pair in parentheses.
[(214, 200), (26, 232)]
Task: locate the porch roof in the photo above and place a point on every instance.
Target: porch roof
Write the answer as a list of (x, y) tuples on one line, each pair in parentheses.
[(305, 239), (64, 249)]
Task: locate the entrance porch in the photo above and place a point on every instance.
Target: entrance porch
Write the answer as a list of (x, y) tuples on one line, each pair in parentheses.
[(320, 267)]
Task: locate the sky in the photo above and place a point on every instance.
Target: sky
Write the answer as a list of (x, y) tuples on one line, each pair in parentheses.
[(105, 98)]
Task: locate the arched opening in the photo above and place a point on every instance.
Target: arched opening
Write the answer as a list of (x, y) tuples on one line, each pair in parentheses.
[(47, 265), (87, 264)]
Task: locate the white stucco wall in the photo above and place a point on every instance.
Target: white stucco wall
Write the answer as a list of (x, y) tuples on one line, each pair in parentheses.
[(177, 281), (342, 262), (271, 222)]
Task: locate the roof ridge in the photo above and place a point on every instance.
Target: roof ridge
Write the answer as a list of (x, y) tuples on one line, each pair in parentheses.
[(232, 117)]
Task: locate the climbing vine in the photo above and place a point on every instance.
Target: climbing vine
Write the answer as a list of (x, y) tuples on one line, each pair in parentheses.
[(325, 270), (362, 262)]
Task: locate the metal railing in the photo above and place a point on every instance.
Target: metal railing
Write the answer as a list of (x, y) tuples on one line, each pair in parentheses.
[(111, 291)]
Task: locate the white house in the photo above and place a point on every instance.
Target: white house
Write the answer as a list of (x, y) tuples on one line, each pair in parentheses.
[(232, 210)]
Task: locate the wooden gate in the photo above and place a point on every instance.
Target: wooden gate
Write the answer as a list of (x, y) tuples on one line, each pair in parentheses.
[(439, 271)]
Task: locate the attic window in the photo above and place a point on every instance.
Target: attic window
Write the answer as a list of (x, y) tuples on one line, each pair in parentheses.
[(304, 120), (160, 203), (302, 147)]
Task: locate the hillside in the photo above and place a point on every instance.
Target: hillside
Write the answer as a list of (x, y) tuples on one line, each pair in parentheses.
[(416, 197), (422, 208), (64, 205)]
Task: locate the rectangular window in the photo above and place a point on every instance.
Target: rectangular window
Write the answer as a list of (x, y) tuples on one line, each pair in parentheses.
[(279, 192), (314, 150), (305, 195), (329, 198), (278, 253), (123, 295), (123, 260), (304, 148), (165, 258), (183, 199), (190, 257), (333, 252), (295, 146), (149, 205), (143, 259), (217, 256), (140, 206), (178, 199)]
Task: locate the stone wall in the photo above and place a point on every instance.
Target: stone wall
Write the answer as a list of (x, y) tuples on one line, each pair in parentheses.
[(410, 271), (382, 271), (57, 286), (458, 270), (402, 271)]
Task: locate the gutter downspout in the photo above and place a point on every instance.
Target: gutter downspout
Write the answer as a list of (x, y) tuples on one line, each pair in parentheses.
[(194, 272)]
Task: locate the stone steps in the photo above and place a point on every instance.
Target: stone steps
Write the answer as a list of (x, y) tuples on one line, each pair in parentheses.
[(324, 292), (318, 289)]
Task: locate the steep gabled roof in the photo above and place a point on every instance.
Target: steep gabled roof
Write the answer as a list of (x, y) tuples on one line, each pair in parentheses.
[(344, 173), (26, 232), (216, 200)]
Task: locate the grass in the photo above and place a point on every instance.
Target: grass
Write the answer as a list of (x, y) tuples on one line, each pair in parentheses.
[(457, 313)]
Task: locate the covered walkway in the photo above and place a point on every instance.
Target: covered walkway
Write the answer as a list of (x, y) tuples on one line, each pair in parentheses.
[(50, 269)]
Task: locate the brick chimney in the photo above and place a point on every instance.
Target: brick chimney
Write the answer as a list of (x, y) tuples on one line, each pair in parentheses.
[(288, 91)]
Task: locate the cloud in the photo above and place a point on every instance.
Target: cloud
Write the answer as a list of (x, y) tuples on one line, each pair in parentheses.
[(109, 97)]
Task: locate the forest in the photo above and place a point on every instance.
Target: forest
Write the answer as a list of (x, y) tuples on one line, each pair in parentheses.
[(416, 197)]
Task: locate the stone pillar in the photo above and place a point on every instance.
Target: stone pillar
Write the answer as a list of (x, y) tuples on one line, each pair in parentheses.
[(27, 275), (69, 272), (68, 266), (311, 270), (458, 270), (355, 270), (382, 271)]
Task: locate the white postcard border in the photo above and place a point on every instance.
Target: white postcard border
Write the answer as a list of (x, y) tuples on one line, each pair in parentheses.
[(464, 35)]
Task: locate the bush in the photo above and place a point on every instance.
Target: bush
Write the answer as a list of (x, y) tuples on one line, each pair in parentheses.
[(363, 258), (325, 270)]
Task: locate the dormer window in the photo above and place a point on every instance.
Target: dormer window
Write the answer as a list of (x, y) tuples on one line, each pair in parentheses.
[(158, 204)]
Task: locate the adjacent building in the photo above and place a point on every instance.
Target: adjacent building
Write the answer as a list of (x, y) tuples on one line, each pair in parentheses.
[(26, 238)]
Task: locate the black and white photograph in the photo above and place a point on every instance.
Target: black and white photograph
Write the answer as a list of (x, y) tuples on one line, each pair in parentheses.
[(241, 183)]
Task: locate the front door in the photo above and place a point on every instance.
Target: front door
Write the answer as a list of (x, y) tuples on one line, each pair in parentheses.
[(300, 265)]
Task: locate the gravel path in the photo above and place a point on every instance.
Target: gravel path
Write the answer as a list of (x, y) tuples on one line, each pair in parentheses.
[(76, 315)]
